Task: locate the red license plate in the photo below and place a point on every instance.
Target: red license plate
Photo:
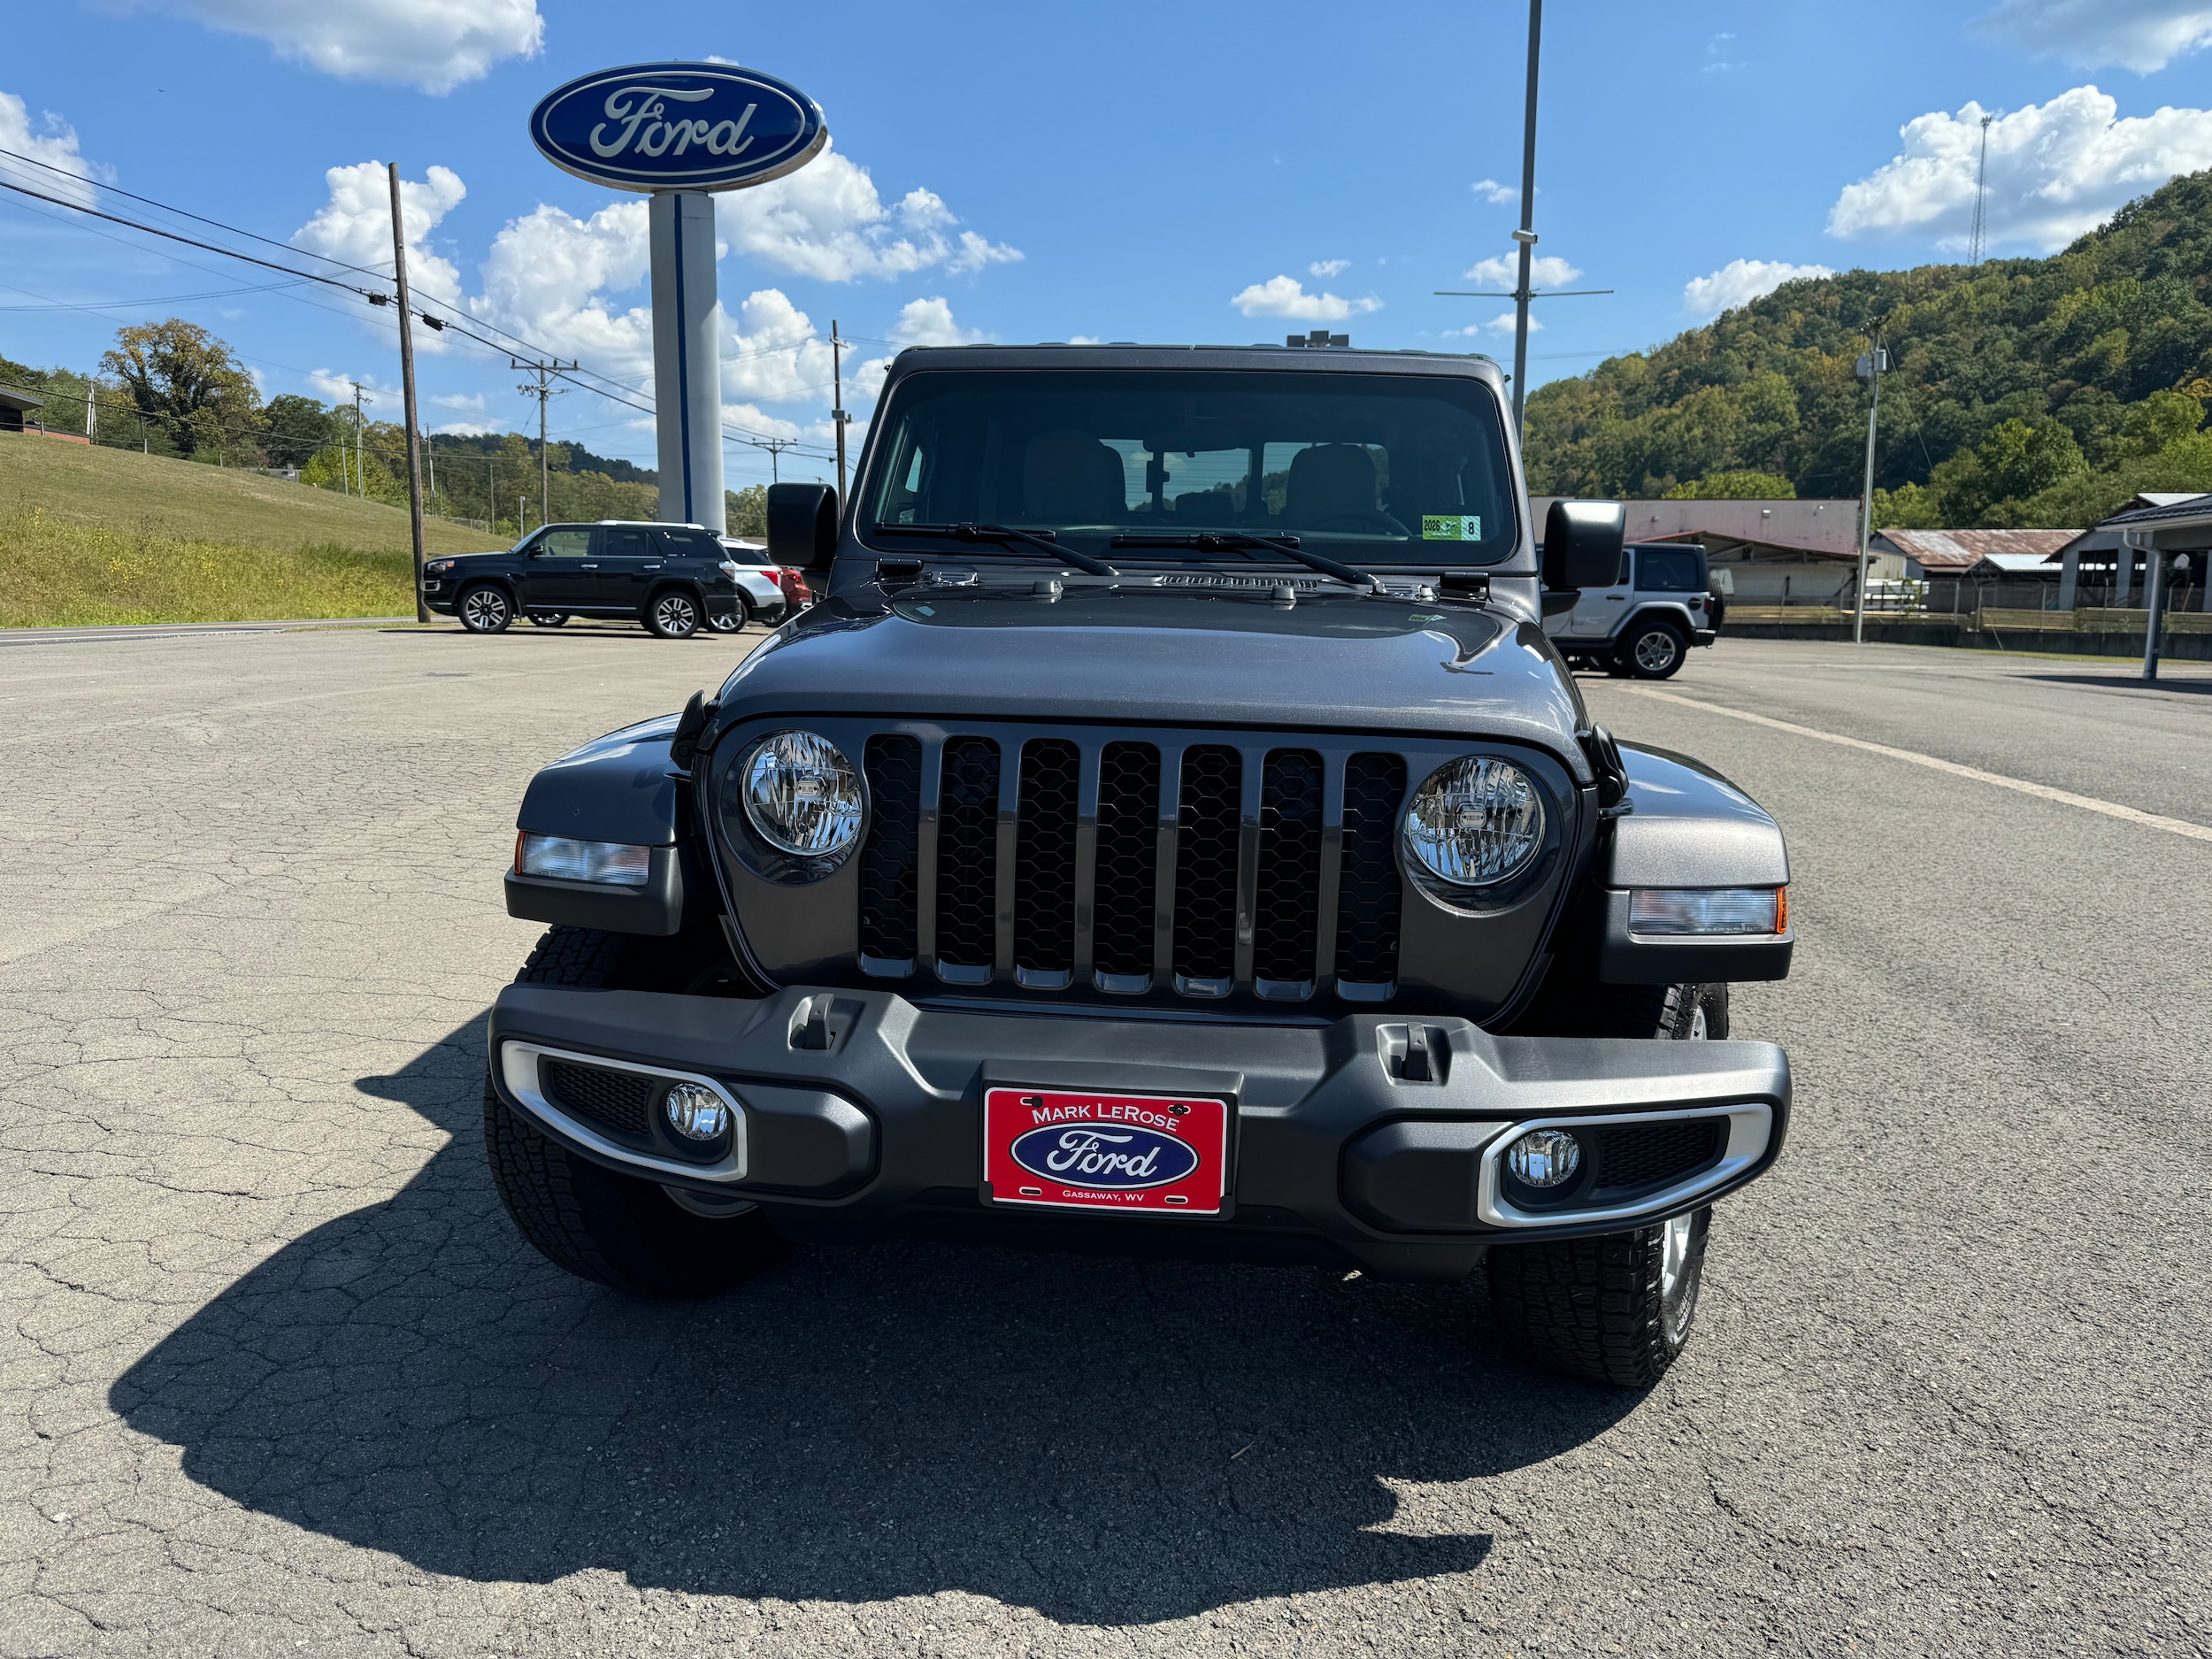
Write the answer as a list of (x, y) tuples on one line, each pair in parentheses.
[(1162, 1154)]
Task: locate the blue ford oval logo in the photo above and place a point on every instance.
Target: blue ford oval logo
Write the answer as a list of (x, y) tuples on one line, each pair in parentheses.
[(1120, 1156), (678, 126)]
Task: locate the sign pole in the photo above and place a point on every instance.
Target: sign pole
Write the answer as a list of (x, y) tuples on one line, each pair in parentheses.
[(687, 358), (407, 392)]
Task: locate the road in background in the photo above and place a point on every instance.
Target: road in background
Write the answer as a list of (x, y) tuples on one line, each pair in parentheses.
[(279, 1377)]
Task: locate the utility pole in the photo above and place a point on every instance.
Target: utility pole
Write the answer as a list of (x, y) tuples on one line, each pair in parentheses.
[(407, 393), (837, 412), (1977, 238), (360, 478), (1522, 293), (542, 391), (1872, 364), (775, 448)]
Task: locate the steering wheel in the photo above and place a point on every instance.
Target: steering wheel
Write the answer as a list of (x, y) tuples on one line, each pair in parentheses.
[(1356, 519)]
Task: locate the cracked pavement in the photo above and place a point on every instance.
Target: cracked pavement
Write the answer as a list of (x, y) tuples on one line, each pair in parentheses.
[(277, 1376)]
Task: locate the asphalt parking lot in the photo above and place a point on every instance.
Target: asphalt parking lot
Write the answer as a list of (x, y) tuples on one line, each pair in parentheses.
[(277, 1376)]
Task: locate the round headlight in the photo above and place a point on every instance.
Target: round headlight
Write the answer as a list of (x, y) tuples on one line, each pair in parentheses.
[(1475, 821), (801, 795)]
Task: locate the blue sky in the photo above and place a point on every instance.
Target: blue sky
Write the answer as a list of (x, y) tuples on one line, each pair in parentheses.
[(1047, 172)]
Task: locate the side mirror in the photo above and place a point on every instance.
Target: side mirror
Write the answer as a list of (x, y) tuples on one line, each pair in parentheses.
[(801, 526), (1582, 544)]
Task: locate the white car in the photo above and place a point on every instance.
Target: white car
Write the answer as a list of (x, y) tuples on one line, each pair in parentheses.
[(764, 594), (752, 557)]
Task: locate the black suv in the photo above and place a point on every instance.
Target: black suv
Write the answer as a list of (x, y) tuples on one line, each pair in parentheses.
[(675, 579), (1172, 834)]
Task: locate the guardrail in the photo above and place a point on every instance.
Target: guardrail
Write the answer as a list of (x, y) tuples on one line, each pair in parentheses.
[(1988, 618)]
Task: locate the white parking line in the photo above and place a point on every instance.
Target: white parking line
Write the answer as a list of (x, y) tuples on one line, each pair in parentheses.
[(2041, 791)]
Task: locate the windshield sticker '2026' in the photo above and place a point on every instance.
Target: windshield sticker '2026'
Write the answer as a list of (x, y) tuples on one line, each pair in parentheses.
[(1454, 527)]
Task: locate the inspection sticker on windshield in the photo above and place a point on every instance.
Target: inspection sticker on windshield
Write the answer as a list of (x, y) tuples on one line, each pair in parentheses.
[(1166, 1154), (1467, 528)]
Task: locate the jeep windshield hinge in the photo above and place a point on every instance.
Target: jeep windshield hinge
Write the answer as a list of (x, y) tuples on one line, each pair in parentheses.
[(1605, 760), (1469, 585)]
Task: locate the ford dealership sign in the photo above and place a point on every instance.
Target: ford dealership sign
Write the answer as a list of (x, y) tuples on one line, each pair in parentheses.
[(679, 127)]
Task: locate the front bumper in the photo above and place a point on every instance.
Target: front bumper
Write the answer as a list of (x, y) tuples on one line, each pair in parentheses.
[(859, 1116)]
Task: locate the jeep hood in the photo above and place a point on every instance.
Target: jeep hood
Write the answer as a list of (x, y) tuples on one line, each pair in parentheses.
[(1332, 661)]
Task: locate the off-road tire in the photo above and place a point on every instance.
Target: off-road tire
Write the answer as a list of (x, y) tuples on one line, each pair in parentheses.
[(673, 614), (1652, 650), (616, 1230), (1598, 1308), (485, 609)]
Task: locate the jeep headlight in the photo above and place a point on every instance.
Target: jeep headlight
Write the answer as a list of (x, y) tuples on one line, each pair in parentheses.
[(1475, 821), (801, 795)]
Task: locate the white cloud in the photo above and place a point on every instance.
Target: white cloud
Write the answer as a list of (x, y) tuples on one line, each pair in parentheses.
[(1085, 340), (772, 352), (1738, 282), (2139, 34), (1286, 296), (548, 277), (929, 323), (52, 142), (470, 402), (434, 45), (1491, 191), (1544, 271), (1502, 324), (1326, 268), (473, 429), (355, 224), (827, 221), (334, 387), (2055, 171)]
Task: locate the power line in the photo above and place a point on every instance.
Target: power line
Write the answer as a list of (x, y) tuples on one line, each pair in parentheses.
[(234, 230)]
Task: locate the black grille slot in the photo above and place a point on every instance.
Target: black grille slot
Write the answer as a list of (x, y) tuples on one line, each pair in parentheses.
[(1368, 897), (1206, 863), (1044, 858), (1286, 902), (1128, 859), (967, 854), (618, 1100), (887, 862), (1647, 1154)]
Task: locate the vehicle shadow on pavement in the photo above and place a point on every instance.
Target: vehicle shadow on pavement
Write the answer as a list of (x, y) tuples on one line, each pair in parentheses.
[(1107, 1441)]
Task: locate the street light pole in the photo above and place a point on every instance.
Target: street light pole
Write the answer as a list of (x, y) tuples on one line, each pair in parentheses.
[(1526, 234), (1871, 363)]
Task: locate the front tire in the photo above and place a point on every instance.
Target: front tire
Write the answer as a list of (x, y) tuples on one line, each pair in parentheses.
[(1618, 1309), (485, 609), (1615, 1310), (672, 615), (1653, 651), (616, 1229)]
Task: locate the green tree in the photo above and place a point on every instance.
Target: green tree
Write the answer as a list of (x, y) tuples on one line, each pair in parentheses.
[(1734, 486), (183, 378), (1908, 507), (296, 428), (746, 511)]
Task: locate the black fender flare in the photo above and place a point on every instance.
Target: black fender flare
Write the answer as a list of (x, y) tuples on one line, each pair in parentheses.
[(626, 788)]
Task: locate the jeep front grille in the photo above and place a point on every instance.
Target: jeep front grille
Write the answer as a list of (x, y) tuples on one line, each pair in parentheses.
[(1125, 867)]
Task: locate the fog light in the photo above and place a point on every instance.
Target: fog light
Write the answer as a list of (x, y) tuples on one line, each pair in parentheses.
[(696, 1113), (1544, 1157)]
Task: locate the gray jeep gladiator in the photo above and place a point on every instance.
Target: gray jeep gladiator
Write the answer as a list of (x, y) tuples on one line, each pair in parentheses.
[(1174, 834)]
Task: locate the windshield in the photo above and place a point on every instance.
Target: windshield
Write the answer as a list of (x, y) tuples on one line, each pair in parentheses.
[(1387, 469)]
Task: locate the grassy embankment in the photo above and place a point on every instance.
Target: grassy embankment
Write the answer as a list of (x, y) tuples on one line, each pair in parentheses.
[(91, 536)]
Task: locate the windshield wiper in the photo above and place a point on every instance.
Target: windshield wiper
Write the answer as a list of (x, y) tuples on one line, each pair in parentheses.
[(1217, 541), (1002, 535)]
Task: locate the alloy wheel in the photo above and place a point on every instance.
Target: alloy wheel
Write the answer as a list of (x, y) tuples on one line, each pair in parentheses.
[(485, 611)]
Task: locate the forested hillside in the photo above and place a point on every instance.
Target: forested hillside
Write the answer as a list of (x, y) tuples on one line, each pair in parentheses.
[(2025, 392)]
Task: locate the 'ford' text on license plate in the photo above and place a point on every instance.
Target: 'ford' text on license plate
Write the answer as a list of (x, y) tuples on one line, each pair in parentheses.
[(1167, 1154)]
